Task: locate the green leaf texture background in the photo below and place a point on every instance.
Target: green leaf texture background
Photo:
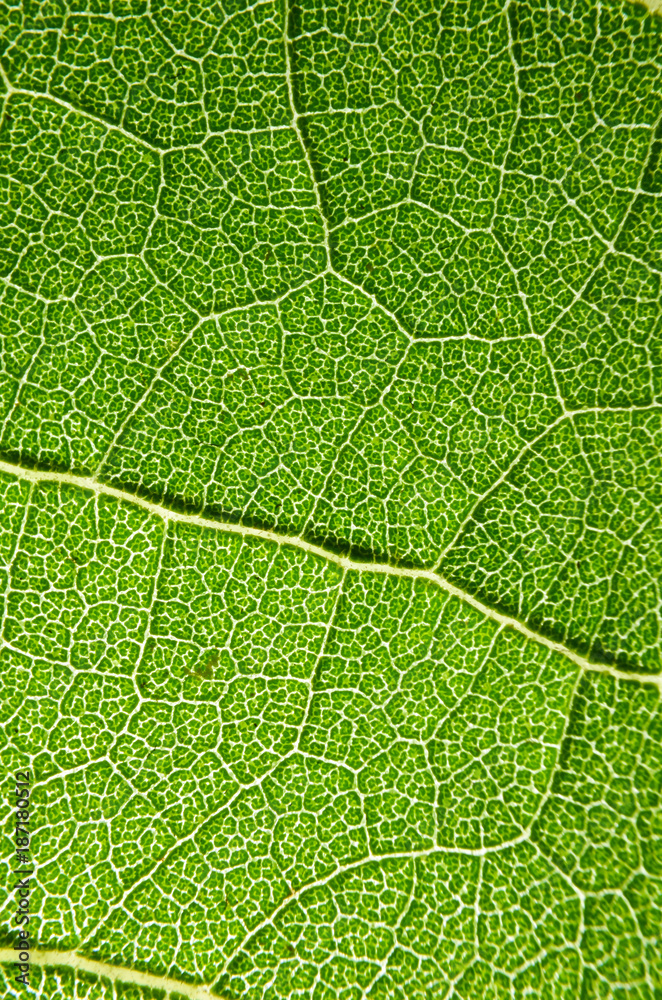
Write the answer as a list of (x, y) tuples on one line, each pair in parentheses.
[(331, 531)]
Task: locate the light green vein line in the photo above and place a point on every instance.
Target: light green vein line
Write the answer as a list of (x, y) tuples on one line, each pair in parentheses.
[(71, 960), (85, 483)]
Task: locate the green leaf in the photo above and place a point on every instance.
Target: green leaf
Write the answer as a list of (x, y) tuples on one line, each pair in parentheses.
[(331, 538)]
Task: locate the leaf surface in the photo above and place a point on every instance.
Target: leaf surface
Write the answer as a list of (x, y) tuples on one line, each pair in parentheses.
[(330, 554)]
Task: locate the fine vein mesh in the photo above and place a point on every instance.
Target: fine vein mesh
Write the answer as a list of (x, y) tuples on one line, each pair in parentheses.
[(385, 277), (257, 769)]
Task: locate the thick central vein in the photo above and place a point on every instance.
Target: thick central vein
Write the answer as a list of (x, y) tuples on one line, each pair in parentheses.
[(72, 960), (86, 483)]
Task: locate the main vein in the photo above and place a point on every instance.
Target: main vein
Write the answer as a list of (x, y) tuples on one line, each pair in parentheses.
[(87, 483), (72, 960)]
